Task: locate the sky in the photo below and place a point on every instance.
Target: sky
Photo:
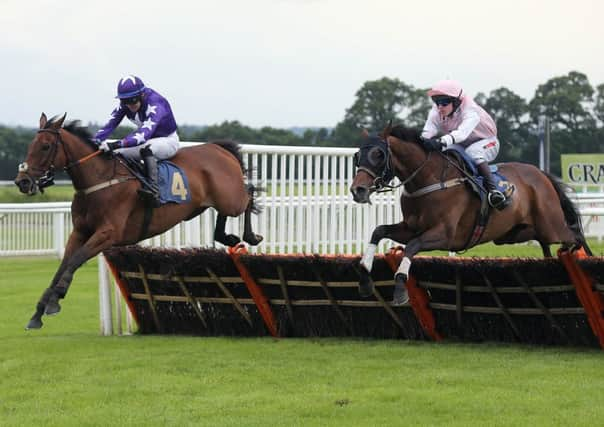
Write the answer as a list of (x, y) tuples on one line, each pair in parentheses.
[(280, 63)]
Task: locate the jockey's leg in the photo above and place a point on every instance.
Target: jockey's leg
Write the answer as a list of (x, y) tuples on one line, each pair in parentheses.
[(151, 192), (162, 148), (483, 152), (495, 197)]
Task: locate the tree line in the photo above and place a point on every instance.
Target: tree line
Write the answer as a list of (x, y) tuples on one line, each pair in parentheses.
[(575, 109)]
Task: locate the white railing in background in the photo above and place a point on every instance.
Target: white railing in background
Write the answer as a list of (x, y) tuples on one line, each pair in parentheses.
[(307, 208)]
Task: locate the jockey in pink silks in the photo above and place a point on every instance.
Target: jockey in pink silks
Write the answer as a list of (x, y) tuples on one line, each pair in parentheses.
[(455, 118)]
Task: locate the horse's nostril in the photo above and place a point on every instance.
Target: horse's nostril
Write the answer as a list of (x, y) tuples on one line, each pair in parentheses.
[(359, 191), (359, 194)]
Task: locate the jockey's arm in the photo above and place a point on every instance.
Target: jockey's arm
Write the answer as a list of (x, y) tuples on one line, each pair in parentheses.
[(147, 130), (470, 120), (116, 117)]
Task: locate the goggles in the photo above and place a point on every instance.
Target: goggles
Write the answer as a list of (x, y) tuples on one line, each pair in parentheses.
[(442, 101), (130, 101)]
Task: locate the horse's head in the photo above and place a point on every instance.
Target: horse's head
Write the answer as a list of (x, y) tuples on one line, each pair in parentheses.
[(373, 168), (37, 171)]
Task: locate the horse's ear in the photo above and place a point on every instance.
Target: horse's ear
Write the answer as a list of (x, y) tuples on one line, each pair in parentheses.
[(364, 133), (43, 120), (57, 124)]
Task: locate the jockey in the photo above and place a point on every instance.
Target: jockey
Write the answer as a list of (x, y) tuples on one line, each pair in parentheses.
[(455, 118), (156, 136)]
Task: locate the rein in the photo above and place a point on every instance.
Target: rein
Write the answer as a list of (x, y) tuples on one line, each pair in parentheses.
[(381, 187), (381, 182), (463, 172), (47, 178), (67, 156), (442, 185)]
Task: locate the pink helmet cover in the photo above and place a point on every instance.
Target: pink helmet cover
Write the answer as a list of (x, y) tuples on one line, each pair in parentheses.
[(450, 88)]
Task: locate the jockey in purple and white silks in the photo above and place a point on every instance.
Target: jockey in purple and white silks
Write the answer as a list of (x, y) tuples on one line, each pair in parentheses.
[(456, 118), (156, 136)]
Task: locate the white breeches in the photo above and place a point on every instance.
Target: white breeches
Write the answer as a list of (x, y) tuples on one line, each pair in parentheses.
[(484, 150), (163, 147)]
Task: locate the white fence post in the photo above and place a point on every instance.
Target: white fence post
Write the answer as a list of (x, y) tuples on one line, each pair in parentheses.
[(106, 315), (59, 233)]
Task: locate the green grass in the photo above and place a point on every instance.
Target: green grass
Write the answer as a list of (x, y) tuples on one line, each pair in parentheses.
[(525, 250), (56, 193), (67, 375)]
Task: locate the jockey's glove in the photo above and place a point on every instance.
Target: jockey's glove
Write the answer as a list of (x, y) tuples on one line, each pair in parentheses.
[(109, 146), (433, 144)]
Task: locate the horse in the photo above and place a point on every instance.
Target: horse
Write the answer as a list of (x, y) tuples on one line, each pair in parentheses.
[(441, 212), (106, 209)]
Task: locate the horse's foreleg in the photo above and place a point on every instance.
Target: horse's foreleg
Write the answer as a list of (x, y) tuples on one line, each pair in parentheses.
[(48, 302), (75, 256), (434, 238), (398, 232), (220, 235)]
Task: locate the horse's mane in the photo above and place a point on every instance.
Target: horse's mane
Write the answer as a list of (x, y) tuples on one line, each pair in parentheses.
[(75, 127), (406, 134), (232, 147)]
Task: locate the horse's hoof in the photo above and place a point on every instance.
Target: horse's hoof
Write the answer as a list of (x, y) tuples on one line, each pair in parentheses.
[(400, 296), (232, 240), (254, 239), (34, 324), (52, 308), (228, 240), (365, 283), (401, 299)]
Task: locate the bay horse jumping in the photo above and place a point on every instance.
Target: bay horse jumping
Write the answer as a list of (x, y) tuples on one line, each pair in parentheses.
[(106, 209), (440, 211)]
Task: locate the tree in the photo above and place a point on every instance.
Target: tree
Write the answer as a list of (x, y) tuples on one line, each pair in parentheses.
[(599, 104), (566, 100), (510, 114), (378, 102)]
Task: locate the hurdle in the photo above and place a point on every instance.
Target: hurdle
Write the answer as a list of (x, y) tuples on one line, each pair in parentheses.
[(207, 292)]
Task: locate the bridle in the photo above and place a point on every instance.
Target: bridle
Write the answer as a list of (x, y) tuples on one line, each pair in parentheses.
[(47, 177), (381, 180)]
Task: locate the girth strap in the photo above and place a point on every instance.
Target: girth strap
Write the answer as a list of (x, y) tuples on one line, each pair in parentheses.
[(443, 185), (105, 184)]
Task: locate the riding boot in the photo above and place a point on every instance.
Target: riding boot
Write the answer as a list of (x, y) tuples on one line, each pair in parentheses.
[(150, 192), (495, 197)]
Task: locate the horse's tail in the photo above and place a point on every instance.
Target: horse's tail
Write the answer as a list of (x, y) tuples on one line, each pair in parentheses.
[(571, 213), (234, 148), (253, 192)]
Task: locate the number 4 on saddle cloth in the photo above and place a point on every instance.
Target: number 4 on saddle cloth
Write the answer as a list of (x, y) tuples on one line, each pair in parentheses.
[(502, 183), (172, 181)]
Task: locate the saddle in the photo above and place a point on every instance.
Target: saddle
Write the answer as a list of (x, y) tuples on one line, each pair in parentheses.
[(172, 180), (458, 153)]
